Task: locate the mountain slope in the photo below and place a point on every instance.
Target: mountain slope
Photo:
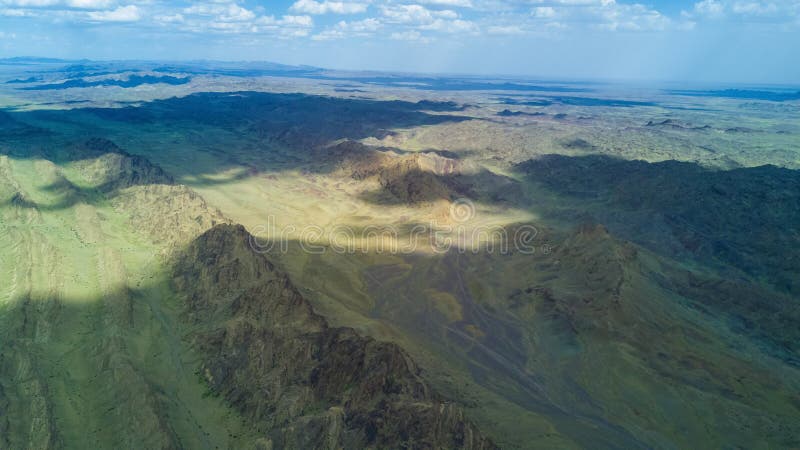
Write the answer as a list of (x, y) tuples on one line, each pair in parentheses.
[(304, 383), (101, 350)]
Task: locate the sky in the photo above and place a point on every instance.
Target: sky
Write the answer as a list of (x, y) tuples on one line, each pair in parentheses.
[(731, 41)]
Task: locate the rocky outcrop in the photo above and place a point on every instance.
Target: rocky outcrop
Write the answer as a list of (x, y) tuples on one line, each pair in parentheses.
[(354, 159), (169, 214), (302, 383), (423, 177), (409, 178), (675, 124), (745, 218), (109, 168), (411, 185)]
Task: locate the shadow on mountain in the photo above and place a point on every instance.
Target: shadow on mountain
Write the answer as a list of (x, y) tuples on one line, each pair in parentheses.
[(409, 177), (265, 132), (417, 186), (129, 82), (491, 344), (231, 322), (746, 218), (69, 351), (509, 113), (86, 68), (533, 328), (288, 115), (366, 393), (105, 170), (548, 100), (742, 94), (453, 84), (11, 128), (741, 225), (595, 319)]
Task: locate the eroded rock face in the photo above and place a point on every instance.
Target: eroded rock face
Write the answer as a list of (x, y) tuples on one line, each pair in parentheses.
[(413, 178), (171, 215), (110, 168), (745, 218), (420, 178), (302, 383)]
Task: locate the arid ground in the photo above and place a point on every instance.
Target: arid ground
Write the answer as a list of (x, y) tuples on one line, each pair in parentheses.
[(214, 256)]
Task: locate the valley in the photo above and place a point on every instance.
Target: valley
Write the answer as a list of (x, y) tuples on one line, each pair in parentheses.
[(173, 272)]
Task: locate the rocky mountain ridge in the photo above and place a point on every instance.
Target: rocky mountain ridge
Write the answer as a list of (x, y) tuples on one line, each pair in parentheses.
[(303, 383)]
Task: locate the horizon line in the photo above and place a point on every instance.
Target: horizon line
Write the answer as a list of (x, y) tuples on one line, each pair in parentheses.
[(496, 76)]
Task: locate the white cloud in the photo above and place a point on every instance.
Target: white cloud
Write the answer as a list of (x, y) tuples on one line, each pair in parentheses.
[(599, 14), (287, 26), (169, 18), (31, 3), (505, 30), (325, 7), (415, 14), (299, 21), (15, 12), (89, 4), (79, 4), (754, 8), (128, 13), (222, 13), (407, 13), (345, 29), (412, 20), (544, 12), (410, 35), (227, 17), (418, 18), (451, 26), (370, 24), (450, 3), (576, 2), (709, 8), (774, 11), (634, 17)]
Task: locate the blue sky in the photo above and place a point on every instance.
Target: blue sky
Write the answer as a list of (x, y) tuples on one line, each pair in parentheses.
[(756, 41)]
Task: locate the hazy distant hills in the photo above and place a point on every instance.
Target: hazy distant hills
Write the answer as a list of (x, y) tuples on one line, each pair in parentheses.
[(87, 68)]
